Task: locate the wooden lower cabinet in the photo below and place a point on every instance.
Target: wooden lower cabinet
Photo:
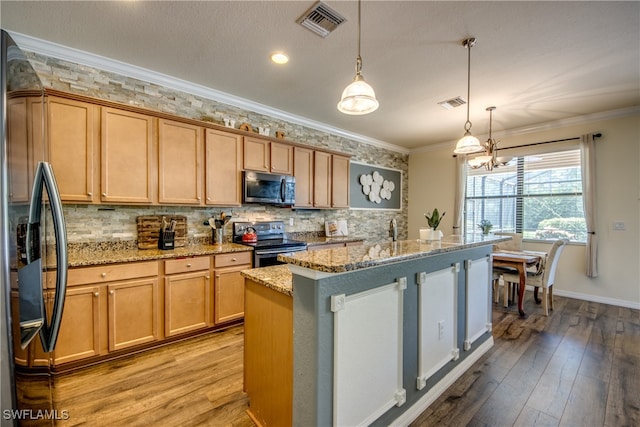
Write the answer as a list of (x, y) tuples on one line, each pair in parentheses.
[(229, 286), (115, 307), (133, 313), (107, 308), (187, 296), (268, 355), (79, 335)]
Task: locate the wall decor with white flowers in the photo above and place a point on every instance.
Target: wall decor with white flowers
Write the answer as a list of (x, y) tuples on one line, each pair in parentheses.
[(375, 187)]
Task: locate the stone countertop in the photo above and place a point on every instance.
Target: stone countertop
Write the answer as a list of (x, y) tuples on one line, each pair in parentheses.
[(110, 254), (318, 241), (277, 277), (340, 260)]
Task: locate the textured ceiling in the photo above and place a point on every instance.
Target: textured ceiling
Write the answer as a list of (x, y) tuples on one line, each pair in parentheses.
[(535, 61)]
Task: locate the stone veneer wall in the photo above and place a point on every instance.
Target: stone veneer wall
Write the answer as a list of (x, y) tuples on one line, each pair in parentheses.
[(100, 223)]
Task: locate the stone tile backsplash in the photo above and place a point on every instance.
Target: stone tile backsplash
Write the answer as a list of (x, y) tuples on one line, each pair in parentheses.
[(99, 223)]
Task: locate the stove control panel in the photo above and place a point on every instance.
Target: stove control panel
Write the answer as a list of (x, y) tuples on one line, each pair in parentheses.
[(264, 229)]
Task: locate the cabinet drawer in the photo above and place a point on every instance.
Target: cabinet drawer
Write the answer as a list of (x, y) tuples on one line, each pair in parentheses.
[(232, 259), (186, 265), (108, 273)]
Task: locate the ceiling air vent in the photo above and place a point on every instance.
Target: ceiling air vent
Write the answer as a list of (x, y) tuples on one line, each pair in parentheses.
[(452, 103), (321, 19)]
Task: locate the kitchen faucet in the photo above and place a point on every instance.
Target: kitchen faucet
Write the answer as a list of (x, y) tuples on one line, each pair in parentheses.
[(393, 229)]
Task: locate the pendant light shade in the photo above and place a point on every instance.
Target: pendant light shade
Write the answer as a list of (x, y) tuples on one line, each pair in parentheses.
[(358, 97), (468, 143)]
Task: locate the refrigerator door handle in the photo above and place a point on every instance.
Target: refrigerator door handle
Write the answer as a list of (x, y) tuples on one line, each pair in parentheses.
[(45, 177)]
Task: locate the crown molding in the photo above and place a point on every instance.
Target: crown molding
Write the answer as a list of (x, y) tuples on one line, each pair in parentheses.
[(556, 124), (54, 50)]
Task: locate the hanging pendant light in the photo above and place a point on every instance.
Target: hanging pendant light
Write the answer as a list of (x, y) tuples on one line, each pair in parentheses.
[(358, 98), (468, 143)]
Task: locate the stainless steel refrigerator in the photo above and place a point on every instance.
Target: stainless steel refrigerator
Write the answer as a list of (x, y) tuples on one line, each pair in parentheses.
[(33, 246)]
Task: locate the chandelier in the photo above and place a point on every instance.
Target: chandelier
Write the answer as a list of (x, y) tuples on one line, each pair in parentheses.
[(490, 158)]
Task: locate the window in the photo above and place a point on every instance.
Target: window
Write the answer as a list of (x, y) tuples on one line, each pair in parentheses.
[(538, 195)]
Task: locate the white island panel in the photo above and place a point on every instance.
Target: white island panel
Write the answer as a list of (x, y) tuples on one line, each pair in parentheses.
[(367, 354)]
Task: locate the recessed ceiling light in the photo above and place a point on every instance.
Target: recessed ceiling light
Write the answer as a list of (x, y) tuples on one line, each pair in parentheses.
[(279, 58)]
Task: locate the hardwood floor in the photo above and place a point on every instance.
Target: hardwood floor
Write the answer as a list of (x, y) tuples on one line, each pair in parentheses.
[(578, 367)]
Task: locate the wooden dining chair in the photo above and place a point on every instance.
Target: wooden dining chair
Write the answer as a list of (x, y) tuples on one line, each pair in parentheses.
[(515, 244), (543, 277)]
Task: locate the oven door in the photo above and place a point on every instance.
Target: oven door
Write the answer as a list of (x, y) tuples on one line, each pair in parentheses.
[(267, 257)]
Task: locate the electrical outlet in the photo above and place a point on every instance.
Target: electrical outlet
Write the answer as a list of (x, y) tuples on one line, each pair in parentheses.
[(619, 225), (291, 222), (440, 329)]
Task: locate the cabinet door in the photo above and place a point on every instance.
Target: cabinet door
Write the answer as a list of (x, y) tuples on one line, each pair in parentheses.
[(257, 154), (73, 139), (179, 163), (281, 158), (133, 313), (229, 295), (223, 168), (303, 172), (187, 300), (321, 179), (128, 168), (79, 336), (339, 182)]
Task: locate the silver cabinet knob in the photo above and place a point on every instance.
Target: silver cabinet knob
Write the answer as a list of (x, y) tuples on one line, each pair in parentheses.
[(112, 292), (89, 194), (188, 265), (103, 274), (96, 294), (104, 194), (233, 259)]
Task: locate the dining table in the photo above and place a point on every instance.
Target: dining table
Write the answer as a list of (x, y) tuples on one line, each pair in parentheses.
[(520, 261)]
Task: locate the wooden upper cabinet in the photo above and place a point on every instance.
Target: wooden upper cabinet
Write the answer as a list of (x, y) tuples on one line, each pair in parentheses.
[(128, 169), (339, 181), (303, 172), (257, 155), (223, 168), (179, 163), (322, 180), (281, 158), (72, 141)]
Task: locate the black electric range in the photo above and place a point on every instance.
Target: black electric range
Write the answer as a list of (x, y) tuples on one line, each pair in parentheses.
[(271, 241)]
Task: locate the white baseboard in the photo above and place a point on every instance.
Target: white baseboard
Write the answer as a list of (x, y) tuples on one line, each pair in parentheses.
[(594, 298), (441, 386)]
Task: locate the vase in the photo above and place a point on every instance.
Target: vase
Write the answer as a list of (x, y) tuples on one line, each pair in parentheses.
[(429, 234)]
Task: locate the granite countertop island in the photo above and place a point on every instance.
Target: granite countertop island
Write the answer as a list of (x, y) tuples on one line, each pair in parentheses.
[(331, 317), (340, 260)]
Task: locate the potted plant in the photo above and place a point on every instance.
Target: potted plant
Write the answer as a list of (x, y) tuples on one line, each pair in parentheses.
[(433, 219), (486, 226)]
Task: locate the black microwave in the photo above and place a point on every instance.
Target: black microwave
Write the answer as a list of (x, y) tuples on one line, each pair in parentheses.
[(267, 188)]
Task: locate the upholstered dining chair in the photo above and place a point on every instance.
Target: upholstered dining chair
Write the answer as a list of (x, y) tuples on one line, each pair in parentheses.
[(515, 244), (543, 277)]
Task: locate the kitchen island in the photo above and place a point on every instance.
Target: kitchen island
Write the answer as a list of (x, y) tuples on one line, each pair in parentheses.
[(365, 335)]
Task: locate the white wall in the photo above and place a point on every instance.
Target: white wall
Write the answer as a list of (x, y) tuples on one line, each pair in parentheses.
[(431, 184)]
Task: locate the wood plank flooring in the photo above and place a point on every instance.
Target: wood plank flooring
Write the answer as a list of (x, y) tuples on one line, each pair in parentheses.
[(578, 367)]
